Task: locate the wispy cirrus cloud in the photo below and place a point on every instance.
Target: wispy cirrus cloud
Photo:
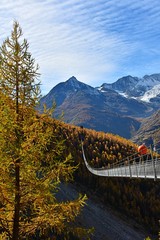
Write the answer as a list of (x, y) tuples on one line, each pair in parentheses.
[(97, 41)]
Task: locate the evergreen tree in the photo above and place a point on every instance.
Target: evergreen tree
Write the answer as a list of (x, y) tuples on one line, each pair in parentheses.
[(31, 158)]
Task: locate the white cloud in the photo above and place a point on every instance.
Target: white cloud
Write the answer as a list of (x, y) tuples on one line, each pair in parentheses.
[(92, 40)]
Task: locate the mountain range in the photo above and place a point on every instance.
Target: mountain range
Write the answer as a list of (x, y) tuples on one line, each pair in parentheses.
[(118, 108)]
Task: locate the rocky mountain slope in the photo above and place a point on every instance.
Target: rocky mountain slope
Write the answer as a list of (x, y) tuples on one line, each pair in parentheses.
[(117, 108), (149, 132)]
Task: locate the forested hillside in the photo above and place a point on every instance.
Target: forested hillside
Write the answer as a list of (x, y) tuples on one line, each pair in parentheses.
[(136, 198)]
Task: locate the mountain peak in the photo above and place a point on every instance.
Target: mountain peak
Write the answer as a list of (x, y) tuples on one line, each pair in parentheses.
[(72, 79), (73, 84)]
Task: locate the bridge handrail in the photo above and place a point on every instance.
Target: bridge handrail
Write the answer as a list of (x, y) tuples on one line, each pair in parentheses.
[(150, 168), (131, 158)]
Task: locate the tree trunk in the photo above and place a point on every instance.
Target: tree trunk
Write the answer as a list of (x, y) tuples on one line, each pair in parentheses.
[(15, 235)]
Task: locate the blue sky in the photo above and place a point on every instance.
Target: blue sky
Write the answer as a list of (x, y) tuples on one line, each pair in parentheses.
[(96, 41)]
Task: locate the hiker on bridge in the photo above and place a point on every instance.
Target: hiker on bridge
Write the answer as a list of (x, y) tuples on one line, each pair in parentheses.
[(143, 151)]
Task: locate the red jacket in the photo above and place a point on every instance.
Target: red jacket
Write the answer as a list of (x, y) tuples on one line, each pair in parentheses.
[(142, 149)]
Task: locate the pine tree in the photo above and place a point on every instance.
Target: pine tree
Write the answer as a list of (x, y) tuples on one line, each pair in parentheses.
[(31, 157)]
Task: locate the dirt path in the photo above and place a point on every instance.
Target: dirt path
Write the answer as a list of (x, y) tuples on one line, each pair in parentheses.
[(107, 225)]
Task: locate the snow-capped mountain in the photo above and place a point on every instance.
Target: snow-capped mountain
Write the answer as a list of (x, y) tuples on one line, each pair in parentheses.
[(109, 108), (121, 85), (150, 94), (143, 89)]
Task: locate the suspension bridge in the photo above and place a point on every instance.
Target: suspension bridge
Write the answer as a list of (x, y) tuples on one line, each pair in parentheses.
[(146, 166)]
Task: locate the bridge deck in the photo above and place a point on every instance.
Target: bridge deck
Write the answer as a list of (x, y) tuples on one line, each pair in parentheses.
[(146, 169)]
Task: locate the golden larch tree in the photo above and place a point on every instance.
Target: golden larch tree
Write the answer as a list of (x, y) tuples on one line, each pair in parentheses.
[(31, 157)]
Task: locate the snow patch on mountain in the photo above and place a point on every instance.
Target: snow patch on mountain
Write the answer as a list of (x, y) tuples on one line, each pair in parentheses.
[(154, 92), (123, 94), (137, 88)]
